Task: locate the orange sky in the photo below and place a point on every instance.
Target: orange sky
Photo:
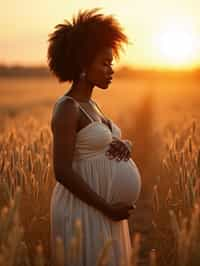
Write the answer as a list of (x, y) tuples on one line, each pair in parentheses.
[(163, 33)]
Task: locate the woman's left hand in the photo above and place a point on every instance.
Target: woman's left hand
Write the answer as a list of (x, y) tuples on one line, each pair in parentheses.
[(119, 149)]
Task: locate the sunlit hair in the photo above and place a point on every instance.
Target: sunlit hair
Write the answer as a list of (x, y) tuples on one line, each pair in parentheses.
[(73, 46)]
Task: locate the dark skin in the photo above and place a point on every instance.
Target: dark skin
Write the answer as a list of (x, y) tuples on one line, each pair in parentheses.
[(68, 120)]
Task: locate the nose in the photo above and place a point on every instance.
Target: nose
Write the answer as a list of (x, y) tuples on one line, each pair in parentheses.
[(111, 71)]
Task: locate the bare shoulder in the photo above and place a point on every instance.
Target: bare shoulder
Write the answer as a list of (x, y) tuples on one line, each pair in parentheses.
[(64, 126), (65, 112)]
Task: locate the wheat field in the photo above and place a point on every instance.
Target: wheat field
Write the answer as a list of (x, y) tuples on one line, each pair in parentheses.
[(161, 117)]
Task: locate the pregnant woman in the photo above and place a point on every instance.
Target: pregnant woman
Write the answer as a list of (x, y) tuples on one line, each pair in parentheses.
[(96, 180)]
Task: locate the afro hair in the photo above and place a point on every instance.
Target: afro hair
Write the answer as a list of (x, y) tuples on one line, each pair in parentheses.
[(73, 46)]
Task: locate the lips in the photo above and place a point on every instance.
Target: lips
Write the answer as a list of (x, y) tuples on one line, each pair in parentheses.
[(109, 80)]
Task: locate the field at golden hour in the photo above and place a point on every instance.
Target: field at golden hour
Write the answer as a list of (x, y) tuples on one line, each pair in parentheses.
[(160, 115)]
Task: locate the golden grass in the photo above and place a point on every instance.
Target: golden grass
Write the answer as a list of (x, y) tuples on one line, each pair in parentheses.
[(163, 126)]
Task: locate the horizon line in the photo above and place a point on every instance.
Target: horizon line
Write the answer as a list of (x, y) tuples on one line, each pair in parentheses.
[(120, 67)]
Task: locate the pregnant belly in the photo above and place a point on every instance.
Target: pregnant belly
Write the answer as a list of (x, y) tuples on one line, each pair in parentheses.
[(126, 184)]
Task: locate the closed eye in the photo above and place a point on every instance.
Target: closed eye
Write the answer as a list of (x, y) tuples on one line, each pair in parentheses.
[(108, 64)]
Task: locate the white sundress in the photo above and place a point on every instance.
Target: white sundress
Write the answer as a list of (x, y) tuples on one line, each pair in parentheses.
[(108, 178)]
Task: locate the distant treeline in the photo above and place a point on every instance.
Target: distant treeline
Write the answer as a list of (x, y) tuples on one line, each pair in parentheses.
[(125, 71), (22, 71)]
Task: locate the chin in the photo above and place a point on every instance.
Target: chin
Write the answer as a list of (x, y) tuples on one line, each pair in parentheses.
[(105, 86)]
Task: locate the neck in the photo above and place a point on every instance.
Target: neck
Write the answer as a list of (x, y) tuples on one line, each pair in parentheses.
[(81, 90)]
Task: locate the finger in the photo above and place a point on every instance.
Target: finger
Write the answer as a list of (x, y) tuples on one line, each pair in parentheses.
[(119, 154), (117, 144), (114, 143), (113, 150), (116, 151), (127, 156), (126, 147), (122, 155), (110, 153), (110, 150), (123, 147), (120, 147), (111, 156)]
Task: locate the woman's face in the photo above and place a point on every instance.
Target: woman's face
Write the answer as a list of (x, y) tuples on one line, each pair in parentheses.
[(100, 71)]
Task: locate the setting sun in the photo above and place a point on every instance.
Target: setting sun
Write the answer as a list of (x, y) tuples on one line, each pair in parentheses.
[(162, 35), (177, 44)]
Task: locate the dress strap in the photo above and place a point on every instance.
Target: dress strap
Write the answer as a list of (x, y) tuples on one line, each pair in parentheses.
[(82, 109), (109, 120), (98, 108)]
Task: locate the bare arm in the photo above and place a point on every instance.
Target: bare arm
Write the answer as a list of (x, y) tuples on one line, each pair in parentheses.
[(64, 124)]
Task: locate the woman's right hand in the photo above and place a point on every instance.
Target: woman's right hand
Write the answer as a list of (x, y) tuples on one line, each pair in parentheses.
[(120, 210)]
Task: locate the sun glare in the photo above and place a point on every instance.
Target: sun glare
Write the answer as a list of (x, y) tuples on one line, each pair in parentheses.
[(177, 44)]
